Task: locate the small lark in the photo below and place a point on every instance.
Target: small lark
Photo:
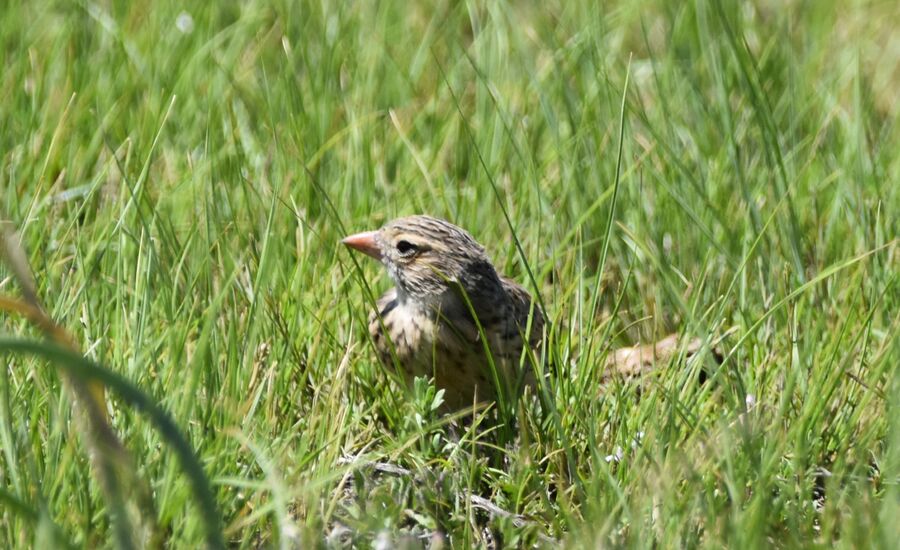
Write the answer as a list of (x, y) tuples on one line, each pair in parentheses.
[(426, 324), (443, 276)]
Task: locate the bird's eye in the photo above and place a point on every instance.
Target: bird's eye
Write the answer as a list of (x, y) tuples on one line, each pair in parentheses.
[(406, 248)]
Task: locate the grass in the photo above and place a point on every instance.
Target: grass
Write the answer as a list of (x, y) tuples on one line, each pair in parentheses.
[(181, 180)]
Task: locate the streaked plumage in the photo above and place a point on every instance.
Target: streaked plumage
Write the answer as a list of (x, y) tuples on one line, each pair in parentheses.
[(425, 323)]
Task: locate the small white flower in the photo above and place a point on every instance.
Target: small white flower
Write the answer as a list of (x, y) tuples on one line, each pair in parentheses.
[(617, 456), (637, 440), (184, 23), (750, 400)]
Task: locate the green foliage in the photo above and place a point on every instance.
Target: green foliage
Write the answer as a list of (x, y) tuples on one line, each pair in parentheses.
[(182, 176)]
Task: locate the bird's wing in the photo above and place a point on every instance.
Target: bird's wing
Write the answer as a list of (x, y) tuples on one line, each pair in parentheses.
[(522, 306)]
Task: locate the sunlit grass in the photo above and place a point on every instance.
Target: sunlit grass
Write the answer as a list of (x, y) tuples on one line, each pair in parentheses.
[(181, 179)]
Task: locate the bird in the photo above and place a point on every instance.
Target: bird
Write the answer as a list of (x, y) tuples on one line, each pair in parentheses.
[(452, 317)]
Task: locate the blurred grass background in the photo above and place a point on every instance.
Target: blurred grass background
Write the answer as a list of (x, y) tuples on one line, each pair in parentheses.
[(181, 175)]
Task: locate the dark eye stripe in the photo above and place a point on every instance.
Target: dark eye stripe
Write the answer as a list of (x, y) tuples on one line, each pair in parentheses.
[(435, 232)]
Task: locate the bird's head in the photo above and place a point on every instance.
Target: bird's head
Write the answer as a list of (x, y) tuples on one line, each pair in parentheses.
[(427, 257)]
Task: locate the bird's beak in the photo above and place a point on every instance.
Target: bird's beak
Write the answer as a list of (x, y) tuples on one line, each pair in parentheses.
[(365, 243)]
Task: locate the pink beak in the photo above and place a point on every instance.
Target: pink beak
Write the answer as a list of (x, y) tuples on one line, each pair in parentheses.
[(365, 243)]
